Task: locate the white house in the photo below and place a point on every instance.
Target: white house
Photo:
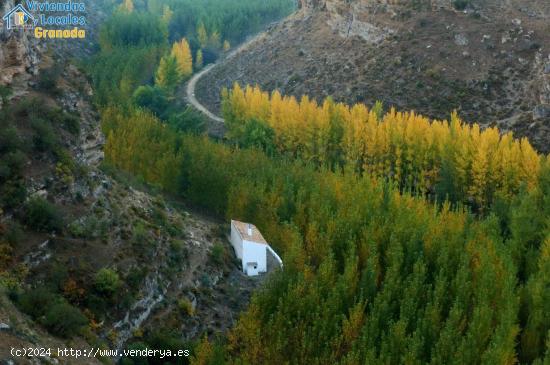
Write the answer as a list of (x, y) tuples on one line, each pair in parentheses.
[(251, 248)]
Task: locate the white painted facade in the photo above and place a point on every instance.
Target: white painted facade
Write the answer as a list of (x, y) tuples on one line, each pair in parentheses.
[(250, 248)]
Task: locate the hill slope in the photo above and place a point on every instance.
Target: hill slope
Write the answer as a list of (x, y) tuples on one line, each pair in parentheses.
[(490, 62)]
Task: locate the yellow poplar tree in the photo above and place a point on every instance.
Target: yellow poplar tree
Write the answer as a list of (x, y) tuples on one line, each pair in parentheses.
[(182, 53), (479, 169), (226, 45), (414, 151)]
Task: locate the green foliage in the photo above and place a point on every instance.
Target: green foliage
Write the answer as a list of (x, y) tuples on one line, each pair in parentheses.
[(45, 139), (125, 29), (379, 275), (135, 277), (259, 135), (177, 253), (52, 311), (41, 215), (12, 159), (168, 77), (14, 234), (189, 121), (48, 79), (64, 320), (152, 98), (35, 302), (107, 282), (232, 20), (217, 254), (5, 93), (186, 307), (12, 194), (118, 73), (461, 4), (45, 123), (9, 139), (69, 121)]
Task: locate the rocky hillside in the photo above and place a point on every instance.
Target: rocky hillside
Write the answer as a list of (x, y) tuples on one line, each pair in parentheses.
[(19, 54), (490, 60)]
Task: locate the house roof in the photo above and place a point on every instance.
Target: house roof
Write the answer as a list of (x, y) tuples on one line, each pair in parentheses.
[(18, 7), (242, 228)]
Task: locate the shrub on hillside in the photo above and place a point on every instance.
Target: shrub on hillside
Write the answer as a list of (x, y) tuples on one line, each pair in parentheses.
[(217, 253), (14, 234), (44, 138), (9, 139), (43, 216), (64, 320), (12, 194), (69, 121), (107, 282), (461, 4), (48, 80), (36, 301)]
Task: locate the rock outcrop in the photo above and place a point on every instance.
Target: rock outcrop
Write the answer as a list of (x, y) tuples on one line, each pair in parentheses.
[(19, 54)]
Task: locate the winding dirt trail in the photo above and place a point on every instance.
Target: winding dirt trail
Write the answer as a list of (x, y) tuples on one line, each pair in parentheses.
[(190, 91), (192, 84)]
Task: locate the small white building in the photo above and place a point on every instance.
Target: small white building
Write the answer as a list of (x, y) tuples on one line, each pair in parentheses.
[(251, 248)]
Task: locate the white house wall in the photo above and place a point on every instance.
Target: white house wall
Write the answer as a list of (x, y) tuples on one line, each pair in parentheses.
[(255, 252), (236, 241)]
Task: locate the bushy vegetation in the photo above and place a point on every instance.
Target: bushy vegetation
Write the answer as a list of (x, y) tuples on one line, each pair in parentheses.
[(375, 273), (41, 215), (149, 47), (52, 311), (40, 141), (12, 158), (107, 282), (461, 4), (213, 21)]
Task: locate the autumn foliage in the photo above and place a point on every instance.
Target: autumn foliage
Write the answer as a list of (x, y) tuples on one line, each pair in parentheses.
[(454, 159), (372, 274)]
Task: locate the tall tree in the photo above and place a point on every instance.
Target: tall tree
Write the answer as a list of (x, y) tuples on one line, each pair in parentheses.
[(202, 35), (168, 75), (182, 53)]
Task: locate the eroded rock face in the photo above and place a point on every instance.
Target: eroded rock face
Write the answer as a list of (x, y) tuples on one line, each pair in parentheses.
[(19, 54), (311, 4), (358, 19)]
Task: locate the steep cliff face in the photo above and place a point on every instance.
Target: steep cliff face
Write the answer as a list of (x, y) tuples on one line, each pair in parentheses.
[(19, 54)]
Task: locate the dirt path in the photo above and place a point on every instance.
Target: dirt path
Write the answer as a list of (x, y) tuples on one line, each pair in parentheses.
[(190, 93), (191, 85)]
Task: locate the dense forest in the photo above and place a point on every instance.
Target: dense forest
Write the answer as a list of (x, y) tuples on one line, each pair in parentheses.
[(148, 48), (452, 160), (372, 274), (405, 240)]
